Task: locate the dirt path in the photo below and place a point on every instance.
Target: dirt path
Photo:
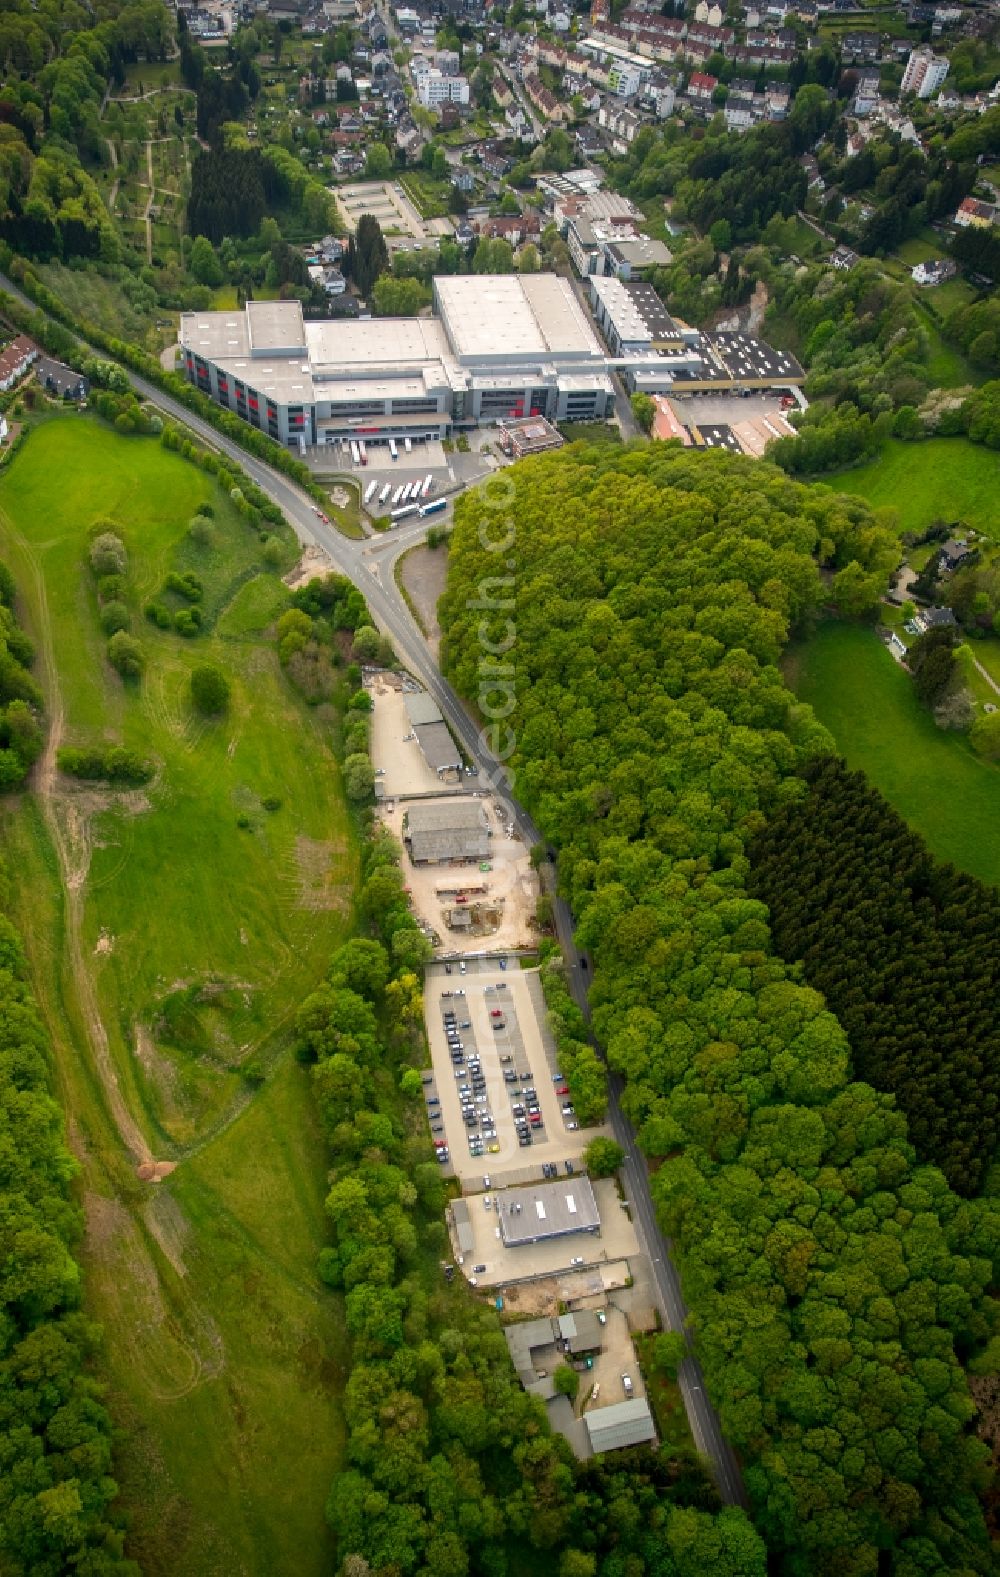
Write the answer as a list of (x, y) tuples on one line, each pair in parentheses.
[(113, 194), (986, 675), (71, 840), (149, 204)]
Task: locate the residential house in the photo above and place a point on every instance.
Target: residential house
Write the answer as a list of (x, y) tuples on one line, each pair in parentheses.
[(739, 117), (814, 179), (933, 272), (15, 361), (701, 87), (934, 619), (954, 554), (971, 211), (842, 257), (860, 48)]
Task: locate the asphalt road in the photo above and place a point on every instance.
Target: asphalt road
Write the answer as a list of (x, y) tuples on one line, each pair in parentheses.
[(369, 564)]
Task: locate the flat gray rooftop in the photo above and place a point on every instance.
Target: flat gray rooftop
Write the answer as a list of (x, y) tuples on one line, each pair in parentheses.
[(548, 1210), (621, 1424), (513, 318)]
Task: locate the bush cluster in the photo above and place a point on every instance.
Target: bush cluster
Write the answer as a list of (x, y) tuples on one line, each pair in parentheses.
[(109, 763)]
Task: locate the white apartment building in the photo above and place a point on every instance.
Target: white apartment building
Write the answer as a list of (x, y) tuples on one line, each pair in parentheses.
[(434, 88), (924, 73), (624, 80)]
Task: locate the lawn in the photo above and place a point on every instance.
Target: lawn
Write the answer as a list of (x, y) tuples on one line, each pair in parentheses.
[(590, 432), (198, 923), (945, 478), (933, 778)]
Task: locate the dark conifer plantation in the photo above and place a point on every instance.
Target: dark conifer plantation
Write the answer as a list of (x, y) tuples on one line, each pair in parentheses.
[(906, 952)]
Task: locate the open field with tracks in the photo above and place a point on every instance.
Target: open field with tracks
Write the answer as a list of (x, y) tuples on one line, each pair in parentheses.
[(172, 932)]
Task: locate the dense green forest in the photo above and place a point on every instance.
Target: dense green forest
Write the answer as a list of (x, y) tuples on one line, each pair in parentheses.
[(55, 1435), (453, 1468), (906, 952), (834, 1283)]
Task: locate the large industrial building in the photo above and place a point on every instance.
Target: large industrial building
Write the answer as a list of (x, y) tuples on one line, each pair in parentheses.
[(499, 347)]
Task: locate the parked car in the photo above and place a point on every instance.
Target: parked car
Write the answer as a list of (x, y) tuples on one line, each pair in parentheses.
[(479, 1269), (627, 1385)]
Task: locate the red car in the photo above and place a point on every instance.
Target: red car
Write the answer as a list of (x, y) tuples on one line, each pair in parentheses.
[(535, 1119), (496, 1013), (562, 1089), (439, 1144)]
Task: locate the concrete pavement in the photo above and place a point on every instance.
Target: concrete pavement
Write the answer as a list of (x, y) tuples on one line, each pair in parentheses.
[(369, 565)]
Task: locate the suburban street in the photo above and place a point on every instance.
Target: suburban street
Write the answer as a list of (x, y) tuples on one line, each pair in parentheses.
[(369, 563)]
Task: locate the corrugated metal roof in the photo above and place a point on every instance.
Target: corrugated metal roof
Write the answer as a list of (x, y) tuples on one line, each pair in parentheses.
[(621, 1424), (421, 707), (463, 1226)]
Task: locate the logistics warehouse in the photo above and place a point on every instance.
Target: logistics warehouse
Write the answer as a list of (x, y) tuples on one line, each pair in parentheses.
[(499, 347)]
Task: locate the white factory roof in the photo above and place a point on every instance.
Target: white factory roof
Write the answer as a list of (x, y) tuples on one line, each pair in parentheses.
[(372, 342), (505, 316)]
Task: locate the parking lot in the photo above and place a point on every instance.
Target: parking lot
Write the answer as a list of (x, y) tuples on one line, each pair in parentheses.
[(402, 224), (492, 1096)]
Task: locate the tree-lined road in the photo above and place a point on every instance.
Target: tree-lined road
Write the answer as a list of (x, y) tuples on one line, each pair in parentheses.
[(370, 565)]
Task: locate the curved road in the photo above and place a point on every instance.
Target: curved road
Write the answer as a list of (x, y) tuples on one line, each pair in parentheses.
[(370, 565)]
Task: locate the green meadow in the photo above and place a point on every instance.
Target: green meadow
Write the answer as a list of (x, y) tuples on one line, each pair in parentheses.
[(932, 777), (946, 479), (173, 931)]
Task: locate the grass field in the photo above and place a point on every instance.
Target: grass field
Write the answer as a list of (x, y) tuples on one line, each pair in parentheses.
[(933, 778), (944, 478), (194, 923)]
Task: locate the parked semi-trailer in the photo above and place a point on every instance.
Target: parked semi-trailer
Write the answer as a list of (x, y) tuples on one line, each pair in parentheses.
[(355, 453), (387, 489), (428, 484), (432, 508), (371, 490), (401, 514), (392, 449)]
